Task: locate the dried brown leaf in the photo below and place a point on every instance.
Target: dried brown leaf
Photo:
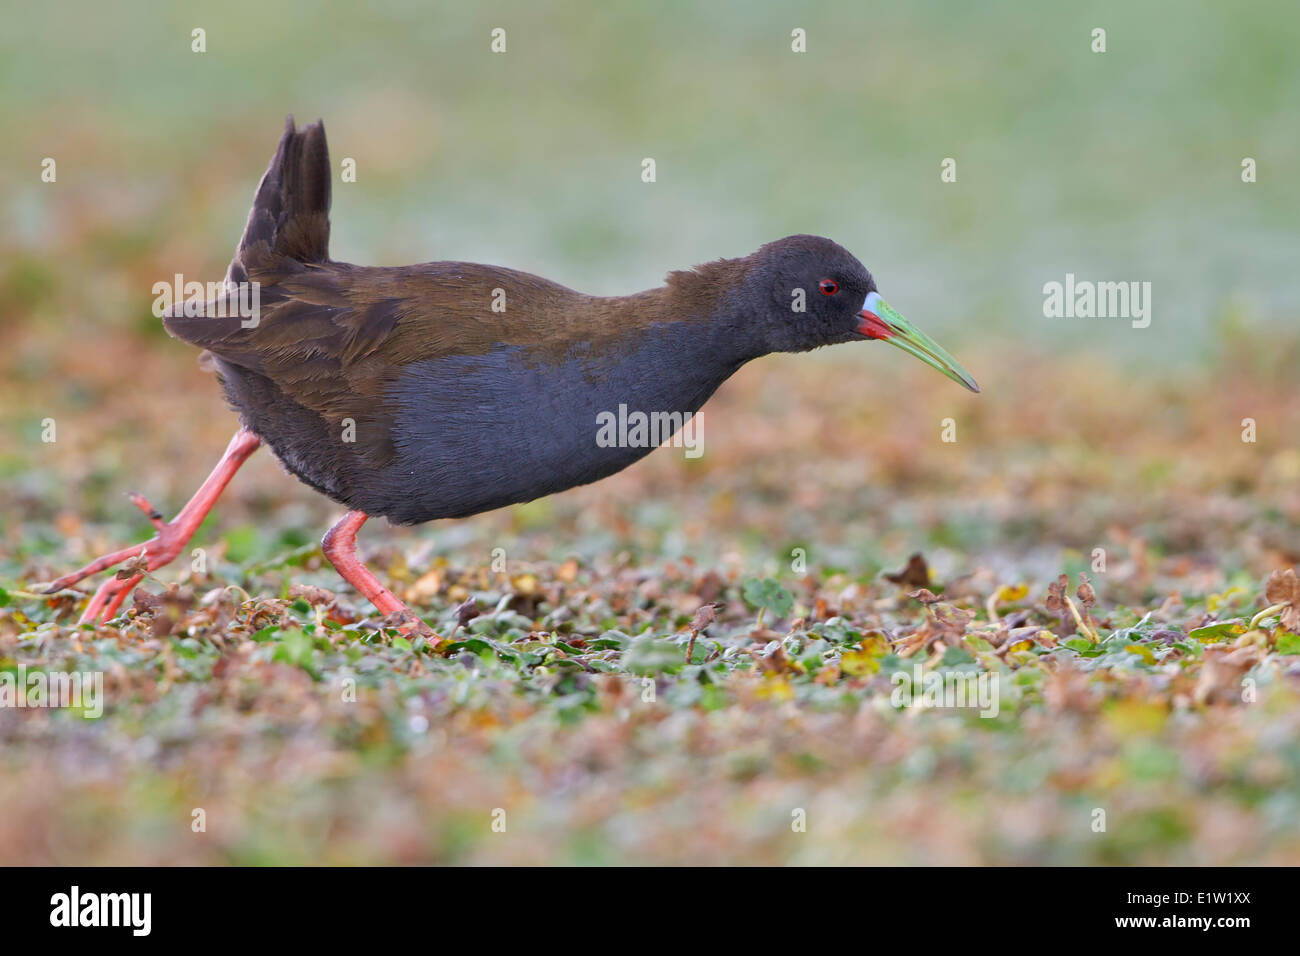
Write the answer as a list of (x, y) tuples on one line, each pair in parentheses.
[(1086, 595), (915, 575), (1283, 587)]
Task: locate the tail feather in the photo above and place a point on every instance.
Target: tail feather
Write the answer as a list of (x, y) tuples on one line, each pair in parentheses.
[(288, 225), (291, 209)]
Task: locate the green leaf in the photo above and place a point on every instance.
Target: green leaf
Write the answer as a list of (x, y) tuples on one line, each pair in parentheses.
[(295, 647), (650, 655), (610, 641), (954, 656), (768, 593), (1142, 651), (473, 645), (1215, 633), (838, 630), (1288, 643)]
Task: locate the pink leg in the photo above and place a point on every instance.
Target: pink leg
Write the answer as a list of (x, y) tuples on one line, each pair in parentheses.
[(340, 547), (171, 537)]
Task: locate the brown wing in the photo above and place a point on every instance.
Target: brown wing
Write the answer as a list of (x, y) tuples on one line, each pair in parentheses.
[(330, 333)]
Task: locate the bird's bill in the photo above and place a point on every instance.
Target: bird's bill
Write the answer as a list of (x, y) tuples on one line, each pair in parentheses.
[(880, 321)]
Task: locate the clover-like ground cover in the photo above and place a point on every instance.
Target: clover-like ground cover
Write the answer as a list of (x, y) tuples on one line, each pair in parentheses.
[(1141, 717)]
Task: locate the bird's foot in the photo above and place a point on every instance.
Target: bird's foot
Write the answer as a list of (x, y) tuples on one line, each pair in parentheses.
[(166, 544), (410, 625), (142, 558)]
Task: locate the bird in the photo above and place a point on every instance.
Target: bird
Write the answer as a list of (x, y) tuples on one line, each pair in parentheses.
[(447, 389)]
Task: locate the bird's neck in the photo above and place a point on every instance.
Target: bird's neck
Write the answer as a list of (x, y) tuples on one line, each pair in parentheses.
[(699, 313), (676, 348)]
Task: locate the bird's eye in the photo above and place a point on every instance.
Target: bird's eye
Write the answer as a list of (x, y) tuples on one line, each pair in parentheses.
[(828, 286)]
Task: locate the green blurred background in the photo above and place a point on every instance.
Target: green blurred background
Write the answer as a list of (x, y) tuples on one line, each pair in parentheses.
[(1122, 165)]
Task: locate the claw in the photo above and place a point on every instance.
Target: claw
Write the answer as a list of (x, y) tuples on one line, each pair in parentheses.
[(153, 514), (94, 567), (410, 625), (166, 544)]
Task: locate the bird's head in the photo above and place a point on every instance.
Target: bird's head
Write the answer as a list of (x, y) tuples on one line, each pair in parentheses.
[(806, 291)]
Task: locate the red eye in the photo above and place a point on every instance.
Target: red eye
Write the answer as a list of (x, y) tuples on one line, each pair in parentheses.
[(828, 286)]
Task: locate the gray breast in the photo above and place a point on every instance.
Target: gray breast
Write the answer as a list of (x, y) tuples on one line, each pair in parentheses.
[(474, 433)]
